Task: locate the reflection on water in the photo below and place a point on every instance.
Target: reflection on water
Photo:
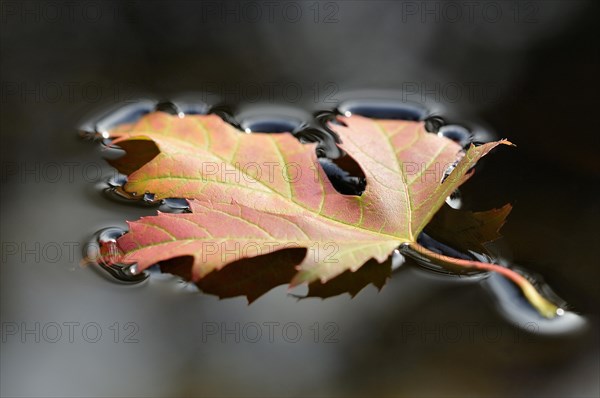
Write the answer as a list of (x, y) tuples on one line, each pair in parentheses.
[(382, 109), (517, 310), (271, 119)]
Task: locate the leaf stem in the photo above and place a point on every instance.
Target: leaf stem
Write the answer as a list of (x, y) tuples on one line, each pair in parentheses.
[(539, 302)]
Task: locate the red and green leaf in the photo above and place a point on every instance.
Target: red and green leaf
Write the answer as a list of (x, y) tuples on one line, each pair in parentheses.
[(254, 196)]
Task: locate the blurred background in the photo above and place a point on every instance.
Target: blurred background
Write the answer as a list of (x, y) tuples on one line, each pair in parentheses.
[(525, 70)]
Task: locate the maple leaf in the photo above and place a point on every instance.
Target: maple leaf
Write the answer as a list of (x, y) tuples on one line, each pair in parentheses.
[(258, 194)]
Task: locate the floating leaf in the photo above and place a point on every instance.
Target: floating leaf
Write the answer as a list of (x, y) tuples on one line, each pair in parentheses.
[(257, 194)]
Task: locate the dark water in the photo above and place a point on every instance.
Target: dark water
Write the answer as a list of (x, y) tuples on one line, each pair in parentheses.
[(424, 334)]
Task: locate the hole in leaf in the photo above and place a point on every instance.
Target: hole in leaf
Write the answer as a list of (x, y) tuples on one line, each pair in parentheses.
[(345, 175)]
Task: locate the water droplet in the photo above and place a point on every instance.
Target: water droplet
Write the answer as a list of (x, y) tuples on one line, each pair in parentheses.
[(382, 109)]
